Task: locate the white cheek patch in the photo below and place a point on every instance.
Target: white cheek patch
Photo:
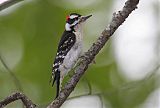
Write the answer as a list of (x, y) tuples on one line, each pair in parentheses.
[(73, 16), (68, 27)]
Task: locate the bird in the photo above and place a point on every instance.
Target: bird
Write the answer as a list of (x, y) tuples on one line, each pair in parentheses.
[(69, 48)]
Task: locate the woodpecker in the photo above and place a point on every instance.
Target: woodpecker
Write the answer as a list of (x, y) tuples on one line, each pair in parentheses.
[(69, 48)]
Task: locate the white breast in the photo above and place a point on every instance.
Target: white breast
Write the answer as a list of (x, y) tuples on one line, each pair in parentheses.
[(73, 55)]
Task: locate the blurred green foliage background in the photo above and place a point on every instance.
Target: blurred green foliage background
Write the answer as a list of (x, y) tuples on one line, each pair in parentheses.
[(29, 35)]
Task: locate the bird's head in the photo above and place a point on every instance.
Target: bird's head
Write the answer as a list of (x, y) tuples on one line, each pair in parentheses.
[(75, 20)]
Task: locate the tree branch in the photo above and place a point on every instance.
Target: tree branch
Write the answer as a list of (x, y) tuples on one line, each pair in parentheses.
[(8, 3), (117, 20), (15, 96)]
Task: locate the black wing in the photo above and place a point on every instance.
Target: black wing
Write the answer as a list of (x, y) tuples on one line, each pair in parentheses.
[(68, 39)]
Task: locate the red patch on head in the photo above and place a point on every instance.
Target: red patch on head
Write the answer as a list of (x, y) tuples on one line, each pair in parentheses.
[(67, 17)]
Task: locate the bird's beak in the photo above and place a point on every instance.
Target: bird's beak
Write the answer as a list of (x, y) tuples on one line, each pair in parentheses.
[(84, 18)]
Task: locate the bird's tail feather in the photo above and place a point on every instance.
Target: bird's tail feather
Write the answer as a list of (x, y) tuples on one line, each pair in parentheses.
[(58, 83), (57, 80)]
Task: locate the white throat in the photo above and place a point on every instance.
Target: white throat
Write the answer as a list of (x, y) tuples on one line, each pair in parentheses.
[(79, 32), (78, 27)]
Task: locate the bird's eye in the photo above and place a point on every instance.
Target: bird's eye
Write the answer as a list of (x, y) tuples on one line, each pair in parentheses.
[(70, 21)]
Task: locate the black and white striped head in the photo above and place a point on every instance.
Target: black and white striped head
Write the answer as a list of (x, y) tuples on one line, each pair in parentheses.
[(74, 20)]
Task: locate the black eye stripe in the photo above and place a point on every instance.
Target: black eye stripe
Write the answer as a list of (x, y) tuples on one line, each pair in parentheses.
[(70, 21)]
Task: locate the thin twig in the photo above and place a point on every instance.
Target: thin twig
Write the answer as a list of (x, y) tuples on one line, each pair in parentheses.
[(88, 57), (15, 96), (8, 3), (15, 79), (89, 86)]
